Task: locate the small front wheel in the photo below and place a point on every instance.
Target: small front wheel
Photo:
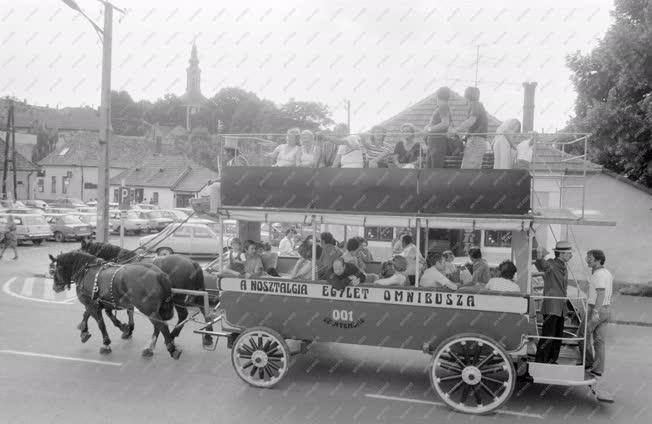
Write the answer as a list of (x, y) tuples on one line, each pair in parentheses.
[(260, 357), (37, 242), (472, 373), (58, 236)]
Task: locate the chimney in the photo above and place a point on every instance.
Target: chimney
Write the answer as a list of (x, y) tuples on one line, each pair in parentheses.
[(528, 106)]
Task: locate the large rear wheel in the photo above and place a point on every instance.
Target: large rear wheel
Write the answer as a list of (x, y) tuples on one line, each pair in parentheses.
[(260, 357), (472, 373)]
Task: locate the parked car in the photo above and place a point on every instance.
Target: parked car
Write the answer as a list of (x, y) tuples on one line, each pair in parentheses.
[(24, 211), (133, 223), (146, 206), (11, 204), (68, 227), (28, 227), (86, 209), (61, 211), (187, 211), (174, 214), (189, 239), (112, 205), (156, 220), (37, 204), (90, 219), (66, 202)]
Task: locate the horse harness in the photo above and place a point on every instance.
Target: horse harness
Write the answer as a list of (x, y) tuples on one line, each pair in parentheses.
[(95, 291)]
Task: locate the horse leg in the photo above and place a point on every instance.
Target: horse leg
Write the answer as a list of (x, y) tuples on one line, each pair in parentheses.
[(207, 338), (83, 327), (149, 350), (130, 316), (162, 327), (112, 314), (96, 313), (182, 313)]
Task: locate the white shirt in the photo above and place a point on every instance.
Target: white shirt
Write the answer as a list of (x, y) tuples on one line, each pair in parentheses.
[(524, 151), (410, 253), (432, 277), (601, 279), (285, 247), (307, 158), (351, 154), (286, 155), (397, 279), (502, 284)]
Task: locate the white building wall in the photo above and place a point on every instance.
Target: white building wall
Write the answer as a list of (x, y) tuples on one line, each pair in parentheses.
[(87, 173)]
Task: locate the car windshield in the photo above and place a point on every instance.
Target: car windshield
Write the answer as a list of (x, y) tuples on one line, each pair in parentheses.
[(71, 219), (89, 219), (34, 220)]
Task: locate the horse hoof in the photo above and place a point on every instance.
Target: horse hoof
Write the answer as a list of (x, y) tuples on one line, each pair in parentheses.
[(124, 328), (147, 353), (126, 335), (176, 354), (79, 326), (85, 336), (208, 341), (105, 350)]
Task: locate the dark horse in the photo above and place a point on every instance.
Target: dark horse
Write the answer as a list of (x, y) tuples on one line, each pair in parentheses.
[(142, 286), (183, 273)]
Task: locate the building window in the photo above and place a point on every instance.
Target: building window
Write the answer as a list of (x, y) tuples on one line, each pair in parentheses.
[(379, 233), (498, 239), (54, 184), (155, 197), (65, 181), (40, 185)]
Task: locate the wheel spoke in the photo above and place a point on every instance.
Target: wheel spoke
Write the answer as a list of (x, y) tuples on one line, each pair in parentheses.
[(253, 371), (247, 365), (466, 353), (458, 360), (455, 387), (244, 350), (274, 345), (488, 390), (478, 350), (476, 395), (266, 347), (274, 365), (450, 367), (465, 393), (244, 356), (493, 380), (450, 377), (485, 360), (261, 373), (253, 344), (492, 370), (260, 341)]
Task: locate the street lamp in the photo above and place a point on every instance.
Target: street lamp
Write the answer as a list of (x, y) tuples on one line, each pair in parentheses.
[(106, 35)]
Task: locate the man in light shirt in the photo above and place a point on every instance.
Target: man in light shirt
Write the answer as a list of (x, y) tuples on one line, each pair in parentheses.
[(504, 283), (598, 313), (413, 256), (434, 276), (286, 246)]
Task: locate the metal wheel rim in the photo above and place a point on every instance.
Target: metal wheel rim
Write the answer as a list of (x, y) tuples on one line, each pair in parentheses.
[(260, 358), (164, 252), (59, 237), (456, 366)]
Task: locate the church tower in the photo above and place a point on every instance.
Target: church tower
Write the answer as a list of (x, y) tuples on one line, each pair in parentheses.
[(192, 99)]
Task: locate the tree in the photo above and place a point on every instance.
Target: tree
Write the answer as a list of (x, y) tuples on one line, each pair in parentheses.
[(46, 141), (306, 115), (127, 115), (614, 86)]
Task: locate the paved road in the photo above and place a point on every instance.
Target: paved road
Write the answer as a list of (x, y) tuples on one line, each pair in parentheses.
[(47, 375)]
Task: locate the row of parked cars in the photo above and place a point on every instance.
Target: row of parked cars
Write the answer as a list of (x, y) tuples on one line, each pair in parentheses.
[(71, 219)]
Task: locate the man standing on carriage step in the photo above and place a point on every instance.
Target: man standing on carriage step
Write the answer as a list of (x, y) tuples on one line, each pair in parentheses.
[(555, 284)]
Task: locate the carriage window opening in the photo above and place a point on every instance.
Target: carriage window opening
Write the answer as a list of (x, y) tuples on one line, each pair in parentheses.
[(498, 239)]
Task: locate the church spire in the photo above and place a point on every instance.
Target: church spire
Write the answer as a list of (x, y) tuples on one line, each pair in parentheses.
[(193, 75)]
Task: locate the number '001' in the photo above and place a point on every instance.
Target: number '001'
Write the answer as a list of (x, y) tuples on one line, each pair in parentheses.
[(342, 315)]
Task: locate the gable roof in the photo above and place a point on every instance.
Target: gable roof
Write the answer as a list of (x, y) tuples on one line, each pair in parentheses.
[(82, 149), (68, 118), (548, 159), (22, 163), (420, 113), (167, 171)]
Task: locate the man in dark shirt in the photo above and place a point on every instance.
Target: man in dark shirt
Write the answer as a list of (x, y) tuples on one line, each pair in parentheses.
[(344, 274), (437, 129), (476, 125), (555, 284)]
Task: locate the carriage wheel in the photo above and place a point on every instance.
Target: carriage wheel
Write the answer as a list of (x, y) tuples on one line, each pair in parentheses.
[(260, 357), (472, 374)]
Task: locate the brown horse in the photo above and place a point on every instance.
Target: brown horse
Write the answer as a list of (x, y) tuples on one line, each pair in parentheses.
[(183, 272), (98, 284)]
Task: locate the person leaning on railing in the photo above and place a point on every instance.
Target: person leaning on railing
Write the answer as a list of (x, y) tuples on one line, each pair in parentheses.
[(505, 145), (309, 152), (477, 125), (407, 152), (287, 154), (555, 284)]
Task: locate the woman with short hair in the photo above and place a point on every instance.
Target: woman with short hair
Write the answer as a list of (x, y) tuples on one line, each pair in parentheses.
[(287, 154), (309, 154), (407, 152), (399, 278)]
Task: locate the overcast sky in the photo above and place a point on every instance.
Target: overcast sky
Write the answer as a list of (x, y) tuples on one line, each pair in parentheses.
[(382, 55)]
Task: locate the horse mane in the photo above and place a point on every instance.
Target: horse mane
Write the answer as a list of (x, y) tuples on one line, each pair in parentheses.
[(72, 262), (107, 251)]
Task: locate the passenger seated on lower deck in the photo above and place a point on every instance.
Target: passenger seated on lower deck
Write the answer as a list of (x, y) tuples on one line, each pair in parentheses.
[(506, 280), (434, 277), (303, 268), (451, 271), (251, 267), (399, 278), (345, 274), (329, 252), (351, 253), (269, 258)]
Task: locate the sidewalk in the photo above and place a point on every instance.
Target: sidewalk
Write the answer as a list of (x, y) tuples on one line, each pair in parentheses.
[(631, 310)]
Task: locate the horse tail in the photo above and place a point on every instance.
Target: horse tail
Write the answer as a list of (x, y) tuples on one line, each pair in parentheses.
[(166, 310)]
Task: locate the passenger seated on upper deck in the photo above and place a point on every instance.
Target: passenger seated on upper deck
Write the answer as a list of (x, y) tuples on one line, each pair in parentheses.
[(351, 253), (434, 276), (309, 152), (506, 280), (288, 154), (407, 152), (303, 268), (344, 274), (399, 278)]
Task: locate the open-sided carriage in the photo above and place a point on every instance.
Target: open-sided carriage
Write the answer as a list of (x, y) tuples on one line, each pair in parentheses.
[(480, 341)]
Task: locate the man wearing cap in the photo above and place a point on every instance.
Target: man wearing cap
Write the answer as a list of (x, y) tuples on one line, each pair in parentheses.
[(555, 284)]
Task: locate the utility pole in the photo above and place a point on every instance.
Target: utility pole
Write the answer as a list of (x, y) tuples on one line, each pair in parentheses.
[(477, 64), (5, 167), (13, 151), (348, 115), (105, 129)]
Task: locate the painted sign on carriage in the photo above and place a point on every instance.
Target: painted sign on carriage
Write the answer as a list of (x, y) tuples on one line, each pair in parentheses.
[(376, 294)]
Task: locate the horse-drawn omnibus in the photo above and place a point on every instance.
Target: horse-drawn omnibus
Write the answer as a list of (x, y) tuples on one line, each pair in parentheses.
[(480, 341)]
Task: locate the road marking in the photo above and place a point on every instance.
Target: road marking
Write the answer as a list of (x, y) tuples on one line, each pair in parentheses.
[(6, 288), (428, 402), (65, 358), (27, 287), (48, 291)]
